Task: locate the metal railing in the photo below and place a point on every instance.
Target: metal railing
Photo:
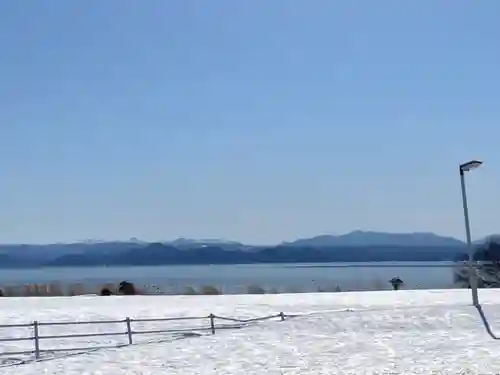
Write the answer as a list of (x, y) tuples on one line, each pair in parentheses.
[(129, 333)]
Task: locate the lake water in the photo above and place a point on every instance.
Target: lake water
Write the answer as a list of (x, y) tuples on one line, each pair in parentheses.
[(237, 278)]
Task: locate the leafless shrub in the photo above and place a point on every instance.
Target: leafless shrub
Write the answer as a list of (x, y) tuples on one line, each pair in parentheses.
[(190, 291), (255, 289), (209, 290)]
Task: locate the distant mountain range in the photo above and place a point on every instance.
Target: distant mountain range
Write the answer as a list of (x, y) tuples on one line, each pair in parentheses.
[(356, 246), (360, 238)]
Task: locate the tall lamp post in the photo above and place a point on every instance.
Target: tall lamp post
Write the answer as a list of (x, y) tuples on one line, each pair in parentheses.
[(466, 167)]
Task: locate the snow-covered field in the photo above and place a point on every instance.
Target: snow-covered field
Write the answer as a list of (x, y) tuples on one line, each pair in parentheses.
[(404, 332)]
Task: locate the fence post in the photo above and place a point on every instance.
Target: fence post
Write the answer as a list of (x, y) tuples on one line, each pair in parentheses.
[(37, 341), (212, 323), (129, 330), (282, 316)]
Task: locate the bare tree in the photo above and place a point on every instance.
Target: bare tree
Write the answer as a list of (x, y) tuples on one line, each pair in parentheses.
[(487, 257)]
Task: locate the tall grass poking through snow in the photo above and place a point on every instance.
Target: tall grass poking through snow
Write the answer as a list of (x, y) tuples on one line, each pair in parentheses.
[(56, 289)]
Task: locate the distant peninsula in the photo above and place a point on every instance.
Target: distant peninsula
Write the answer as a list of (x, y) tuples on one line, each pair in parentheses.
[(358, 246)]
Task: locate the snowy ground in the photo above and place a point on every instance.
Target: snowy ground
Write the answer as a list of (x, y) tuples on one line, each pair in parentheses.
[(404, 332)]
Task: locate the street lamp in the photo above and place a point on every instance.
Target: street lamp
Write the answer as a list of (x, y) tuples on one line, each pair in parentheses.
[(466, 167)]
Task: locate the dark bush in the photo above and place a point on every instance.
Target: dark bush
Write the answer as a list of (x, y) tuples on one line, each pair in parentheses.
[(106, 292), (126, 288)]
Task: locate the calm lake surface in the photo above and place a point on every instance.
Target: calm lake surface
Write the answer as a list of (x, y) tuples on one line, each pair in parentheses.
[(237, 278)]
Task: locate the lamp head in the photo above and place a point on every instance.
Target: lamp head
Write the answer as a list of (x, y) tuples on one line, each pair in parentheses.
[(465, 167)]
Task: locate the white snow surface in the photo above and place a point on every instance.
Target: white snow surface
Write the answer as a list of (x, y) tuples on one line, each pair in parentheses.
[(403, 332)]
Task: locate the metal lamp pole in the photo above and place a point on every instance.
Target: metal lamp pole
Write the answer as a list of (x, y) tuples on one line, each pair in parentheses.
[(466, 167)]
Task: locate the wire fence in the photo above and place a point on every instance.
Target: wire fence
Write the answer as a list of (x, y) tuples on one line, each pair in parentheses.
[(126, 330)]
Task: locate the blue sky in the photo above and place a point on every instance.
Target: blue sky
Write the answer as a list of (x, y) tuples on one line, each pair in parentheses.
[(257, 121)]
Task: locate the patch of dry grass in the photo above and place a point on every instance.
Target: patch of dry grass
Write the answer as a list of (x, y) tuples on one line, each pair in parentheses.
[(76, 289)]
